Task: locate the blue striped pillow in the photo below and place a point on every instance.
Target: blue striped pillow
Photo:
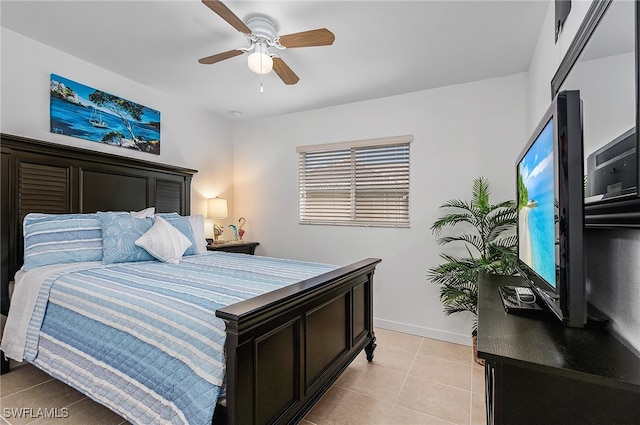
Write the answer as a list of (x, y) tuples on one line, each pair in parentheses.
[(61, 238)]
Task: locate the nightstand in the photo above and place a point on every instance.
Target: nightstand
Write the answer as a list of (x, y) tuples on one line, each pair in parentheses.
[(239, 247)]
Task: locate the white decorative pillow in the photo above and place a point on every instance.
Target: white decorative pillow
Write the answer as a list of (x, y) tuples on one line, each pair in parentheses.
[(197, 225), (145, 213), (164, 242)]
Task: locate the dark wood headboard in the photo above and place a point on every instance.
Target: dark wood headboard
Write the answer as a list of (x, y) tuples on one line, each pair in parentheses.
[(38, 176)]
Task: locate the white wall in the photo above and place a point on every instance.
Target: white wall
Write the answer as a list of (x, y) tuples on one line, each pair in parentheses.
[(547, 57), (608, 99), (613, 269), (543, 65), (460, 132), (190, 137)]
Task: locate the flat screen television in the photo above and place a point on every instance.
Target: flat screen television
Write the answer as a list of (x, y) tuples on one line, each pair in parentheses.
[(550, 194)]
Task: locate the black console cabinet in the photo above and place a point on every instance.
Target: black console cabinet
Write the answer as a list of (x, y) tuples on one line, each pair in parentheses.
[(540, 372)]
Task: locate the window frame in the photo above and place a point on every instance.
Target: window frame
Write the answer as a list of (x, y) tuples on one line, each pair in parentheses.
[(396, 193)]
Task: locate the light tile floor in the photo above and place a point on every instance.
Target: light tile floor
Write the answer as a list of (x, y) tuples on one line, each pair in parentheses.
[(412, 380)]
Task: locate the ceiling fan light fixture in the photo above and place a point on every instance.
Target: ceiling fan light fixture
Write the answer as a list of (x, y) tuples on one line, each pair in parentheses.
[(262, 33), (259, 61)]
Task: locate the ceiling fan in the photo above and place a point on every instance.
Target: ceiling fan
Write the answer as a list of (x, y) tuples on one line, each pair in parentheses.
[(261, 32)]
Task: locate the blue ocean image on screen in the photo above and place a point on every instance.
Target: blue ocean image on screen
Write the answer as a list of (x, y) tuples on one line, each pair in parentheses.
[(542, 231), (537, 218)]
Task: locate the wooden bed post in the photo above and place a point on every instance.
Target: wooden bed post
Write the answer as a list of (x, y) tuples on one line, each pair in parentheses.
[(371, 346)]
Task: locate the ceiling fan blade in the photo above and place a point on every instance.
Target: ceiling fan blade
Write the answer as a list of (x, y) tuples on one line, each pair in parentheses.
[(319, 37), (226, 14), (284, 72), (220, 57)]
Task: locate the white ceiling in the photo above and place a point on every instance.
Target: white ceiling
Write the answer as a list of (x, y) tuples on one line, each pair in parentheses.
[(382, 48)]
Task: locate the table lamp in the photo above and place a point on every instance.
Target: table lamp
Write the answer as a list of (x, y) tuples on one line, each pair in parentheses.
[(217, 209)]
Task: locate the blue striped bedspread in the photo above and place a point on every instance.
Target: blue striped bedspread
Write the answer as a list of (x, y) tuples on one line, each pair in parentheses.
[(142, 338)]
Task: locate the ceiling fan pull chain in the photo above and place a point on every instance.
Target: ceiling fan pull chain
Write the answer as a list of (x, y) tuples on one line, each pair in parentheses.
[(261, 76)]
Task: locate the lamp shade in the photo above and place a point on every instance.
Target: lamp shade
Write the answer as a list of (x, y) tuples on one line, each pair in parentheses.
[(259, 61), (217, 208)]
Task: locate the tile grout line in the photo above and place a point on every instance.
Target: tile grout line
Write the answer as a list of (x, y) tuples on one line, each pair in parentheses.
[(67, 406), (392, 403), (471, 390), (474, 365), (406, 376), (440, 383), (335, 384), (445, 360), (467, 390), (416, 355), (29, 388)]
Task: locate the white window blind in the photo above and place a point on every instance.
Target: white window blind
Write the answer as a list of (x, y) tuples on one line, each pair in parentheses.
[(355, 183)]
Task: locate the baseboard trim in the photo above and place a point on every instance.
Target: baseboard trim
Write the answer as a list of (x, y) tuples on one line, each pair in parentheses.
[(422, 331)]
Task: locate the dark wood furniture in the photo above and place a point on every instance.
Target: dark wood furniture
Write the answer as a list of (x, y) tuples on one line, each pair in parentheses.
[(48, 178), (239, 247), (284, 349), (540, 372)]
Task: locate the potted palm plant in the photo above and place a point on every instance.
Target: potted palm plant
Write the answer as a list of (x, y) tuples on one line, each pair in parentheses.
[(487, 232)]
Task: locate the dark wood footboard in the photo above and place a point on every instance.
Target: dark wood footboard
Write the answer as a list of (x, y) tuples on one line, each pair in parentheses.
[(285, 348)]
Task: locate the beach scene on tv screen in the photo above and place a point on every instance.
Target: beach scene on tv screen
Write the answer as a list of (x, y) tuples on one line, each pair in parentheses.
[(536, 224)]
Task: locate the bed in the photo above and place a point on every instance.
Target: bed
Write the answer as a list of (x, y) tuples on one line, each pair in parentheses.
[(282, 346)]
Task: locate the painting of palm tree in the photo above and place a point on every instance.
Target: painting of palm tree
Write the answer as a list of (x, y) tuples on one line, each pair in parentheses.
[(80, 111)]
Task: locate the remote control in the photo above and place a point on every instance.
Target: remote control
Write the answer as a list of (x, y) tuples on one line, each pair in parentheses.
[(525, 294)]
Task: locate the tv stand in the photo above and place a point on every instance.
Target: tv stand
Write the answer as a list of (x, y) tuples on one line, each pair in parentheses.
[(538, 371)]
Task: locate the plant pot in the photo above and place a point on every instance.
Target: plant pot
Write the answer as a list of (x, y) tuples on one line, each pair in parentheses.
[(475, 352)]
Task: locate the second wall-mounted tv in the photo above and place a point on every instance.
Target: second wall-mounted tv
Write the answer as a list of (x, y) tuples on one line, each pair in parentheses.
[(550, 193)]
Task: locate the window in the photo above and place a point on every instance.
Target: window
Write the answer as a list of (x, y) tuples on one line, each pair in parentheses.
[(362, 183)]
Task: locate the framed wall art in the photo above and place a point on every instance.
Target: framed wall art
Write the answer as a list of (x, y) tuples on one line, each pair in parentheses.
[(80, 111)]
